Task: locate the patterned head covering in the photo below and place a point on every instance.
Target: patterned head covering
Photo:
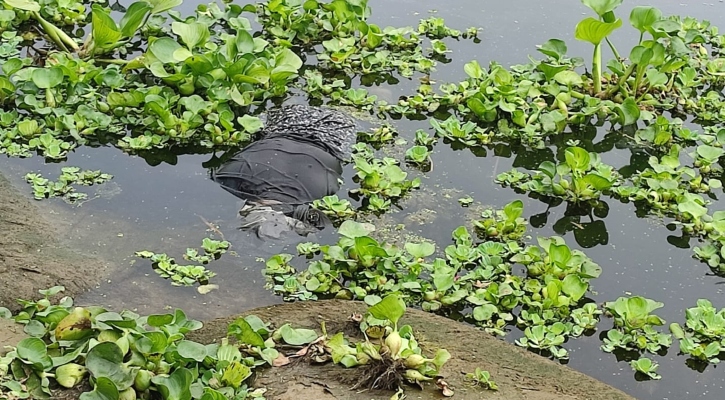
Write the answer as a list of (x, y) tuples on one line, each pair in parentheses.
[(330, 129)]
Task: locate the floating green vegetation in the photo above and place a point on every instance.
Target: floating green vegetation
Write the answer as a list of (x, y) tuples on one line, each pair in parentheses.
[(127, 356), (581, 177), (187, 275), (44, 188), (703, 336), (634, 326), (646, 367), (334, 207), (381, 181), (475, 279)]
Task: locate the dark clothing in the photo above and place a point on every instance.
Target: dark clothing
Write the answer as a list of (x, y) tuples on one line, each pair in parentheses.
[(297, 161), (285, 170)]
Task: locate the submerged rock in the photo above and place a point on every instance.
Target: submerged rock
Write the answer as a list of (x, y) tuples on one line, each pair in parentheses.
[(298, 160)]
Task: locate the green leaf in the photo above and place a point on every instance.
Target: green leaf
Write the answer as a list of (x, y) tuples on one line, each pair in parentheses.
[(134, 17), (191, 350), (569, 78), (577, 158), (692, 204), (548, 168), (513, 210), (602, 7), (193, 34), (550, 71), (46, 78), (574, 286), (641, 55), (163, 5), (106, 34), (106, 360), (642, 18), (159, 320), (628, 111), (560, 254), (288, 59), (245, 334), (484, 312), (26, 5), (104, 390), (443, 276), (594, 31), (353, 229), (163, 49), (297, 337), (474, 70), (34, 351), (12, 66), (598, 182), (390, 308), (709, 153), (175, 386), (250, 123), (349, 361), (420, 250), (35, 328), (555, 48)]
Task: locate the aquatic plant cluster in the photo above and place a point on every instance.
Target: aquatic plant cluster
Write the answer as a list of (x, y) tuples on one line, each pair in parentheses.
[(156, 79), (128, 356)]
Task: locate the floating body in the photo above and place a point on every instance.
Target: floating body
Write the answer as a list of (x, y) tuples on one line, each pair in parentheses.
[(298, 160)]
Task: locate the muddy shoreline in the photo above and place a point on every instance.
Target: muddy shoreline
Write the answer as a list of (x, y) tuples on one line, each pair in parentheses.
[(33, 255)]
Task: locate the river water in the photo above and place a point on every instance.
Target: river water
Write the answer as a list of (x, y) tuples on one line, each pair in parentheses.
[(163, 207)]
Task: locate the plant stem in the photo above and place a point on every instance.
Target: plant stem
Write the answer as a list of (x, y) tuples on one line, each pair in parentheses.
[(622, 80), (614, 50), (112, 61), (576, 94), (59, 37), (597, 68)]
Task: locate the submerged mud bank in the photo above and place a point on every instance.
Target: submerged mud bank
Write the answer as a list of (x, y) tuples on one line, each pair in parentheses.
[(518, 373), (33, 256)]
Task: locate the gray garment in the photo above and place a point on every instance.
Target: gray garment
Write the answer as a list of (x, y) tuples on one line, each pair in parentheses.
[(329, 129), (298, 160)]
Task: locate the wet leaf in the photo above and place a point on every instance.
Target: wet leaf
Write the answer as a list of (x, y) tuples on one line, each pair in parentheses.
[(134, 17), (192, 34), (191, 350), (46, 78), (103, 390), (245, 334), (555, 48), (175, 386), (106, 360), (297, 337), (105, 32), (594, 31), (642, 18), (390, 308)]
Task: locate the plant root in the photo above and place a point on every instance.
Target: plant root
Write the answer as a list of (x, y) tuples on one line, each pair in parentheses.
[(386, 374)]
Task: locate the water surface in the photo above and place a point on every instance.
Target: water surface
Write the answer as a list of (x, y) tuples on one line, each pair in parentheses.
[(162, 208)]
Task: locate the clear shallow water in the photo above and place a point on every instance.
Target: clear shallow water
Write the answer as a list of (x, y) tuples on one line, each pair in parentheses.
[(159, 207)]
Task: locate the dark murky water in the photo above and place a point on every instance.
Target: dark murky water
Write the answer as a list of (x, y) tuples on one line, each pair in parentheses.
[(161, 208)]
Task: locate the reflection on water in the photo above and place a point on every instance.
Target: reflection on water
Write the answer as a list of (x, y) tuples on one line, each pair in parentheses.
[(165, 196)]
